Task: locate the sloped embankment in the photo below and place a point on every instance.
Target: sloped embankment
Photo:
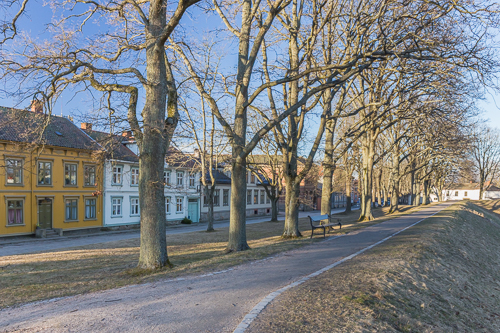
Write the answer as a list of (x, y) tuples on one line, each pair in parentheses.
[(440, 276)]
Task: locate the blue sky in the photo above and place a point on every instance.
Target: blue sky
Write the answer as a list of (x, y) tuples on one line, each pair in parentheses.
[(38, 15)]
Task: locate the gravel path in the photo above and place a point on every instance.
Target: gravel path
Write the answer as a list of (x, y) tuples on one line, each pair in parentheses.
[(209, 303)]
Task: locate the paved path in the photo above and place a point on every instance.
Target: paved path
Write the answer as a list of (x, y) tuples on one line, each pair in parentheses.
[(209, 303), (31, 245)]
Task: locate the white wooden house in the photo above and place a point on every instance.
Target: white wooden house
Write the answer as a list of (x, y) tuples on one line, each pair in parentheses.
[(466, 191)]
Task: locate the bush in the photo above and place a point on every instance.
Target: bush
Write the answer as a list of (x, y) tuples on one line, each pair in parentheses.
[(186, 221)]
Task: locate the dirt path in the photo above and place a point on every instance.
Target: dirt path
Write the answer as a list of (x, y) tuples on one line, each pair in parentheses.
[(209, 303)]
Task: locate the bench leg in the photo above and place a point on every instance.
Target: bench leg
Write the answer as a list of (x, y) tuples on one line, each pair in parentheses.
[(324, 231), (312, 232)]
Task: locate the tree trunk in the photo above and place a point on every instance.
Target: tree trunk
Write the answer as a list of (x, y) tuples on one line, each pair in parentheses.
[(379, 188), (237, 223), (328, 168), (152, 149), (291, 208), (348, 187), (395, 180), (367, 175), (274, 208), (209, 192)]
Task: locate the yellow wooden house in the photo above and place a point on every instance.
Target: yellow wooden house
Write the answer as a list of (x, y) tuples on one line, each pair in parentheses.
[(49, 178)]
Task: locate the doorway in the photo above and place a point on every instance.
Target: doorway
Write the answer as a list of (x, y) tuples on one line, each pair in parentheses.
[(45, 213), (193, 210)]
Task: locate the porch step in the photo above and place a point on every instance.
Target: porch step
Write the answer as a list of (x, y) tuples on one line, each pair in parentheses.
[(51, 233)]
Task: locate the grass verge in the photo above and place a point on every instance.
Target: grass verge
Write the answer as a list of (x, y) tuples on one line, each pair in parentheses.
[(438, 276), (33, 277)]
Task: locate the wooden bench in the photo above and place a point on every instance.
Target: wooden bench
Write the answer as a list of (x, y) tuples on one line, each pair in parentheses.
[(324, 226)]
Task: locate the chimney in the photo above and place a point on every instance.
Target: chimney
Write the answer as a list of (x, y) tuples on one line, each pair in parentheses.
[(86, 126), (127, 134), (37, 106)]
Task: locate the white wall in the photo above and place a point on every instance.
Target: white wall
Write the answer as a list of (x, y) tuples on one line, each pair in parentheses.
[(124, 191), (460, 194)]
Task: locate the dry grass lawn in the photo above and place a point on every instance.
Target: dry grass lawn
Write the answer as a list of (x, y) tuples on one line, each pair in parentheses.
[(32, 277), (439, 276)]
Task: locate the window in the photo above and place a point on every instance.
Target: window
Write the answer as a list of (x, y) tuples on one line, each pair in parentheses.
[(249, 197), (117, 175), (225, 197), (166, 177), (134, 176), (180, 201), (14, 171), (262, 196), (116, 207), (268, 200), (70, 172), (456, 193), (180, 177), (448, 193), (90, 208), (217, 198), (252, 178), (205, 200), (44, 173), (465, 193), (134, 207), (15, 214), (255, 197), (71, 209), (192, 179), (167, 205), (89, 175)]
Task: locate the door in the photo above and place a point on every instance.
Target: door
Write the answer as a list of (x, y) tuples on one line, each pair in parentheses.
[(193, 210), (45, 213)]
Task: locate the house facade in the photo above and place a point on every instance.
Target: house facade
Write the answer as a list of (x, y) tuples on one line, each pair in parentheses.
[(468, 191), (257, 201), (121, 182), (48, 177)]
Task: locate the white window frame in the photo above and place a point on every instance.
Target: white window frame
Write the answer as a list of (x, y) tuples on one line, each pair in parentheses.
[(249, 197), (179, 180), (115, 174), (255, 197), (225, 195), (134, 176), (120, 205), (217, 198), (192, 180), (166, 177), (262, 197), (135, 208), (179, 203), (168, 202)]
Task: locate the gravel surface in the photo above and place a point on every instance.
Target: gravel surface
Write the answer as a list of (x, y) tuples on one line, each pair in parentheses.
[(208, 303)]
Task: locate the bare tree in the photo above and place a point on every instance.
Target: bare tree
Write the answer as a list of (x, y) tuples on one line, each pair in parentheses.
[(125, 57), (485, 152)]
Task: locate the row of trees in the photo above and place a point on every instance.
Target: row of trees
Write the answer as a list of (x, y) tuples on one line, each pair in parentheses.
[(389, 82)]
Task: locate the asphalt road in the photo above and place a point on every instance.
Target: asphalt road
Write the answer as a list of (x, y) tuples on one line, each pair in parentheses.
[(208, 303), (32, 245)]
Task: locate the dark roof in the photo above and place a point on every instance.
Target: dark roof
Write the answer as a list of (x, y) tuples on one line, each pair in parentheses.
[(220, 177), (41, 129), (113, 146), (177, 159)]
